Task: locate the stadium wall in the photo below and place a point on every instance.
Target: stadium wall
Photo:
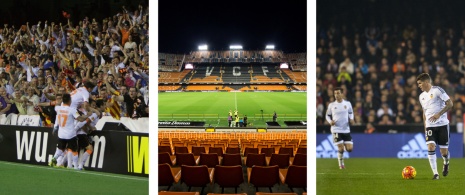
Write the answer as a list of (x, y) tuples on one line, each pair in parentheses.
[(114, 151), (387, 145)]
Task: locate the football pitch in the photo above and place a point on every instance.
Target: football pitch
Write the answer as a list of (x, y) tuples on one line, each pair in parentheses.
[(213, 107), (383, 176), (19, 178)]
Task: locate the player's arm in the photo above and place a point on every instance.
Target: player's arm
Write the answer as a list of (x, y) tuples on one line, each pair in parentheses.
[(329, 116), (351, 115), (449, 105)]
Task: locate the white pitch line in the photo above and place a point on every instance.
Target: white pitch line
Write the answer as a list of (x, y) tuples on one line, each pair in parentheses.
[(83, 172)]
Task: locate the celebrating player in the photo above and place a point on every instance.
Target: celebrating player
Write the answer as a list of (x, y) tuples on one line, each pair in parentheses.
[(66, 116), (338, 115), (435, 103), (83, 128)]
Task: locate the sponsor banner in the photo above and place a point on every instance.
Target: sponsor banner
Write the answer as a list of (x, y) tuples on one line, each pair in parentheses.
[(180, 124), (296, 123), (114, 151), (384, 145)]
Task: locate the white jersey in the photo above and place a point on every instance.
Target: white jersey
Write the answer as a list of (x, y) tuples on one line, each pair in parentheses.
[(340, 112), (93, 121), (66, 116), (78, 97), (432, 102)]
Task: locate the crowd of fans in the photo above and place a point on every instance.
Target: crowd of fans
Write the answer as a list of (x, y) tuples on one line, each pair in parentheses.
[(377, 67), (40, 60)]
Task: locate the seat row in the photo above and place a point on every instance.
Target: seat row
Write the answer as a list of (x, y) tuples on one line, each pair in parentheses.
[(197, 150), (197, 193), (211, 160), (232, 176)]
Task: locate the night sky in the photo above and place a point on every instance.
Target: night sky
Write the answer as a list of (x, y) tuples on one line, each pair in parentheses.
[(183, 25)]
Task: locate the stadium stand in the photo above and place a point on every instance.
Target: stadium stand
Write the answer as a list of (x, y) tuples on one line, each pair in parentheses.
[(234, 70)]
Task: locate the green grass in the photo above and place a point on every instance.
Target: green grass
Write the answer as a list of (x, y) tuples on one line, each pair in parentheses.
[(383, 176), (35, 179), (213, 107)]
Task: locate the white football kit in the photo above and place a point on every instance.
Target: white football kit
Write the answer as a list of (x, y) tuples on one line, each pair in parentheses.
[(78, 97), (66, 116), (432, 102), (340, 112)]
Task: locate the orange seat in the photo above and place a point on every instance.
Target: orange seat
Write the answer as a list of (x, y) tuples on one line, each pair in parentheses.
[(209, 160), (185, 159), (165, 158), (232, 159), (197, 150), (255, 159), (295, 177), (264, 176), (196, 176), (229, 176), (300, 160), (162, 149), (282, 160), (167, 176)]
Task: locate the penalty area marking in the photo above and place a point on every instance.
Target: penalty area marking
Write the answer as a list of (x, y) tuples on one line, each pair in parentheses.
[(77, 171)]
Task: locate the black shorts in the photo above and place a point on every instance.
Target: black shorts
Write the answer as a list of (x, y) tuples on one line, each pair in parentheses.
[(342, 138), (68, 143), (83, 141), (438, 135)]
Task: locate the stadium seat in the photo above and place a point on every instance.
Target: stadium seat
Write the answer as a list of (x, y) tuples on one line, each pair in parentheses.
[(264, 176), (250, 151), (301, 151), (232, 160), (216, 150), (287, 150), (180, 149), (282, 160), (230, 150), (262, 193), (267, 151), (209, 160), (229, 176), (294, 177), (196, 176), (197, 150), (166, 158), (162, 149), (167, 175), (300, 160), (185, 159), (178, 193), (255, 159)]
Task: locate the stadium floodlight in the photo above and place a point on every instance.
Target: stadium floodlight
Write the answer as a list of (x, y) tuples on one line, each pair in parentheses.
[(284, 66), (269, 47), (203, 47), (235, 47)]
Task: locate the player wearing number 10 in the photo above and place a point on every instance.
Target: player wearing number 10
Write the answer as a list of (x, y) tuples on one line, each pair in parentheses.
[(338, 114), (435, 103)]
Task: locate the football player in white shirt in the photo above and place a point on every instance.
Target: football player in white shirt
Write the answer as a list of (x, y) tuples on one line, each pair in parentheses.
[(435, 103), (84, 128), (67, 137), (338, 114), (80, 96)]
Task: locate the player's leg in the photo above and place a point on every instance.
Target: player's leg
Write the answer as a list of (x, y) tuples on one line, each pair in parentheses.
[(88, 151), (58, 153), (340, 149), (444, 148), (72, 153), (431, 143)]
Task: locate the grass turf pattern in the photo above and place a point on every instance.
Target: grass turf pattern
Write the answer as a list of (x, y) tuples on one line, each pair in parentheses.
[(213, 107), (36, 179), (383, 176)]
